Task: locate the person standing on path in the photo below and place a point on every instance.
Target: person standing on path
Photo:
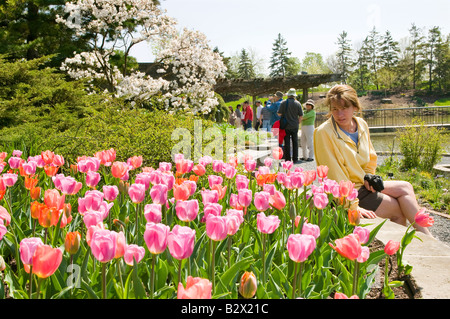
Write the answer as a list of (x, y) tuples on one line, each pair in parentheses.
[(248, 117), (309, 117), (275, 107), (259, 108), (292, 110), (266, 116), (238, 116)]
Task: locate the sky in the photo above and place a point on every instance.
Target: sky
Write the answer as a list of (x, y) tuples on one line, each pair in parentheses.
[(307, 26)]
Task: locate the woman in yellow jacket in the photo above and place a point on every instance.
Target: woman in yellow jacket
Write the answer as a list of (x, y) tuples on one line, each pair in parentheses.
[(343, 144)]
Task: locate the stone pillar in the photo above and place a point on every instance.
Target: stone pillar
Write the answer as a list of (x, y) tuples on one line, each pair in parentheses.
[(305, 95)]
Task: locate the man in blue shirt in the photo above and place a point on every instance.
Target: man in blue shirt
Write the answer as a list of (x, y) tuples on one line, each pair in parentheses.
[(275, 106)]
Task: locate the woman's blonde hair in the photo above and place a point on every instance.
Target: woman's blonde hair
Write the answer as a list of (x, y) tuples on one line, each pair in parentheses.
[(345, 93)]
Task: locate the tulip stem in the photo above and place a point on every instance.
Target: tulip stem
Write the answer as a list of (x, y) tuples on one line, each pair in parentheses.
[(300, 271), (104, 280), (152, 278), (213, 264), (295, 280), (264, 257), (355, 277), (31, 281), (179, 271), (229, 251), (38, 289)]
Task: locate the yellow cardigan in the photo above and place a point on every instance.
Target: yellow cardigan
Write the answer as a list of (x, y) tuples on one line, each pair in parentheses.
[(345, 160)]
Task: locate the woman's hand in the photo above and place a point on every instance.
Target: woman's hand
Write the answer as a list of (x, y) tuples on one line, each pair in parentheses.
[(368, 187), (366, 213)]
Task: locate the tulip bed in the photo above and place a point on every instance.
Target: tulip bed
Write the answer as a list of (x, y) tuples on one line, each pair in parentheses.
[(109, 229)]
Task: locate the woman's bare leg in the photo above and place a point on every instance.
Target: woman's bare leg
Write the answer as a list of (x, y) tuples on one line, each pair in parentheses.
[(399, 204)]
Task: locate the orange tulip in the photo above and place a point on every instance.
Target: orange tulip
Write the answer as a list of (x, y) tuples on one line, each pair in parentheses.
[(30, 182), (35, 209), (353, 217), (51, 170), (48, 217), (220, 190), (72, 242), (52, 198), (248, 285), (2, 193), (35, 192), (46, 260)]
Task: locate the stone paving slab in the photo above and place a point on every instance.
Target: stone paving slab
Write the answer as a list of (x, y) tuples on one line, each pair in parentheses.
[(429, 257)]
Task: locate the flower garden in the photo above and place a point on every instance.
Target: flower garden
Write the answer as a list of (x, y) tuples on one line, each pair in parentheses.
[(102, 228)]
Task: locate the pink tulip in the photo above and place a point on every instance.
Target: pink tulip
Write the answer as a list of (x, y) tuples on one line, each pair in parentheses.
[(423, 218), (181, 242), (103, 245), (234, 203), (339, 295), (250, 165), (214, 209), (29, 168), (214, 180), (311, 229), (287, 165), (345, 188), (27, 248), (300, 246), (146, 178), (363, 234), (310, 177), (234, 220), (391, 247), (348, 247), (153, 213), (121, 244), (353, 195), (91, 230), (92, 200), (67, 185), (106, 157), (89, 164), (118, 169), (328, 185), (297, 179), (322, 171), (133, 252), (155, 237), (217, 166), (9, 179), (193, 187), (364, 255), (15, 162), (17, 153), (168, 179), (196, 288), (92, 218), (92, 179), (267, 225), (277, 153), (5, 216), (268, 162), (110, 192), (3, 229), (216, 227), (244, 197), (320, 200), (46, 260), (187, 210), (261, 201), (241, 182), (137, 193), (270, 188), (159, 194), (165, 166), (58, 160), (277, 200), (209, 196), (229, 171)]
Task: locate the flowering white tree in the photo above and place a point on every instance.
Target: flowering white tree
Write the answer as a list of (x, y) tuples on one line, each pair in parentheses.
[(186, 67)]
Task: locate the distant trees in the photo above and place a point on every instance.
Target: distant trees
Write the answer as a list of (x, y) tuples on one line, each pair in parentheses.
[(379, 61), (246, 69), (280, 57)]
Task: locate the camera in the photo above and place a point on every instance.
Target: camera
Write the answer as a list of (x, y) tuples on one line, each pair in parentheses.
[(375, 181)]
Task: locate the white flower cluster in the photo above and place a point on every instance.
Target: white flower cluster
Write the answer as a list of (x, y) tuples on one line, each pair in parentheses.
[(188, 67)]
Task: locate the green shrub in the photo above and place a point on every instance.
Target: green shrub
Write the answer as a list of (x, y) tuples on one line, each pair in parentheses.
[(421, 146)]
